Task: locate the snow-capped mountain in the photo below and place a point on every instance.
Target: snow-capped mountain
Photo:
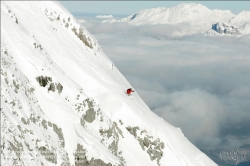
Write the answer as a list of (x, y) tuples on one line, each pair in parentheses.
[(63, 102), (181, 13), (242, 20), (198, 16)]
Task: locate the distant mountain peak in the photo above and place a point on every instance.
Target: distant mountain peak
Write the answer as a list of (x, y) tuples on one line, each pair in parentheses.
[(188, 5), (197, 15)]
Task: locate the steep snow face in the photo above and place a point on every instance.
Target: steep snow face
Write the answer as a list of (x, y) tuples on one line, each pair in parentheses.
[(63, 101), (198, 16)]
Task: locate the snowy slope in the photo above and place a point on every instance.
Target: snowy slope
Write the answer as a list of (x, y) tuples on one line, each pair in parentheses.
[(198, 16), (63, 101), (242, 20)]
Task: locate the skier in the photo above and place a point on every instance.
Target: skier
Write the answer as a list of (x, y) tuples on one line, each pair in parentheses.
[(129, 91)]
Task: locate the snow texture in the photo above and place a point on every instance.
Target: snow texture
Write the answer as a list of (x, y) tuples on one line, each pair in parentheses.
[(63, 104)]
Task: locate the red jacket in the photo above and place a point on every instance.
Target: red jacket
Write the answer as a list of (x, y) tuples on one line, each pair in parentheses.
[(129, 91)]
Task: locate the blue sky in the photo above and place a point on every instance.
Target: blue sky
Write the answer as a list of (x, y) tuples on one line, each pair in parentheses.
[(129, 7)]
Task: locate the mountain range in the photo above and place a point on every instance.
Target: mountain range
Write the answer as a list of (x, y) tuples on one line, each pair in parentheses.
[(198, 17)]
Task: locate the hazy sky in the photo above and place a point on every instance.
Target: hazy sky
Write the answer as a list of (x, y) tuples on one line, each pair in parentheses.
[(130, 7)]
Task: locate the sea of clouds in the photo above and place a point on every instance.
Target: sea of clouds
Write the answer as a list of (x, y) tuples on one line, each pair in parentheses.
[(196, 82)]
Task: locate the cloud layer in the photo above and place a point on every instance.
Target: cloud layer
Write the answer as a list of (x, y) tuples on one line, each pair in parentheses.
[(104, 16), (198, 83)]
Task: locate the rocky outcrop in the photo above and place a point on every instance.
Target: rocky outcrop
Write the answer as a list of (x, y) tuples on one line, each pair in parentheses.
[(48, 154), (111, 137), (81, 158), (43, 80), (59, 87), (82, 37), (133, 130), (224, 28), (93, 115), (148, 143), (51, 86), (90, 114), (59, 133)]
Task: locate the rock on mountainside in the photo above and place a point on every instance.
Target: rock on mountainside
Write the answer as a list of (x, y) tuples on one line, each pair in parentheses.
[(223, 28), (198, 16), (63, 104)]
